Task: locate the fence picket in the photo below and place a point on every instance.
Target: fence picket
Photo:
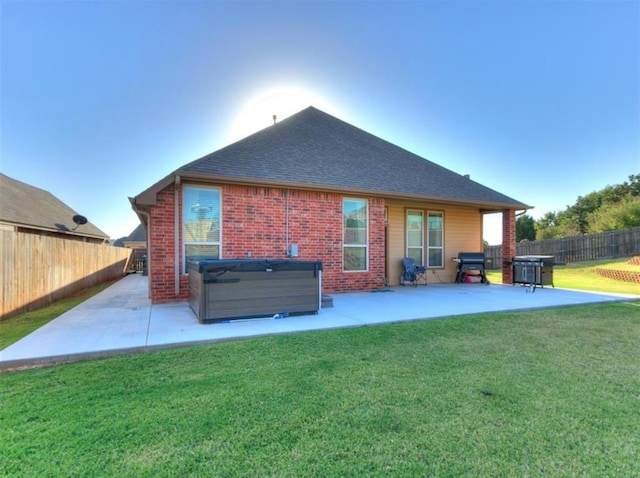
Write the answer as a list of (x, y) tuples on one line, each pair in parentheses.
[(36, 270)]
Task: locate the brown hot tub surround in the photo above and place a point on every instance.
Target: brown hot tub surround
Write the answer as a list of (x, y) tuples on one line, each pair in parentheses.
[(250, 288)]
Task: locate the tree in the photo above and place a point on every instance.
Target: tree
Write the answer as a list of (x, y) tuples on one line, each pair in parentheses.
[(613, 207), (525, 228), (547, 226), (632, 188), (578, 213), (555, 225), (624, 214)]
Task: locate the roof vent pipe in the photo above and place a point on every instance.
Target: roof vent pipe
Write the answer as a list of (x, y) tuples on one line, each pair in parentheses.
[(275, 117)]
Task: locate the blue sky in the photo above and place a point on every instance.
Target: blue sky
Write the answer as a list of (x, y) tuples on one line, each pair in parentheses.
[(539, 100)]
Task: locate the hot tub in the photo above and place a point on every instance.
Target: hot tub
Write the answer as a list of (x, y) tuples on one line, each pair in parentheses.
[(251, 288)]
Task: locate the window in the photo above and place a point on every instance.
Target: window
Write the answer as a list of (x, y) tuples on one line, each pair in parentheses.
[(415, 230), (201, 223), (415, 236), (435, 239), (355, 235)]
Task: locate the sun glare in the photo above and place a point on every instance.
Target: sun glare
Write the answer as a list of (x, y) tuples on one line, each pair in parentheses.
[(257, 113)]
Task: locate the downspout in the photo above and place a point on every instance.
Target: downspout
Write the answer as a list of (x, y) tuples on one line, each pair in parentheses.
[(286, 225), (176, 236)]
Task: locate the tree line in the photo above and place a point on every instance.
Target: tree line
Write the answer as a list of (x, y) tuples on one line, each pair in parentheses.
[(611, 208)]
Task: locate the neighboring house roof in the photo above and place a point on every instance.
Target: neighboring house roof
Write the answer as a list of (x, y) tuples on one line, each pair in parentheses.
[(315, 150), (138, 235), (26, 206)]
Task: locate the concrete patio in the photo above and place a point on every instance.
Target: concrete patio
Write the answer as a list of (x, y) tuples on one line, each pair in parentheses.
[(121, 319)]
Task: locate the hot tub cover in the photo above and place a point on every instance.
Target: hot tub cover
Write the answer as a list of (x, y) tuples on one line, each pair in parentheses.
[(253, 265)]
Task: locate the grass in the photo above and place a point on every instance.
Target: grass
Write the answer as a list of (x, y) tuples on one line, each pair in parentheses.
[(621, 266), (19, 326), (582, 276), (545, 393)]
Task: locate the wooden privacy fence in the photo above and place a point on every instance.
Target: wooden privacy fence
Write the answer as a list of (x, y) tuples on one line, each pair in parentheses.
[(36, 270), (587, 247)]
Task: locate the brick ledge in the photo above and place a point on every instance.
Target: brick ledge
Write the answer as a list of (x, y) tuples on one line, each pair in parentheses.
[(624, 276)]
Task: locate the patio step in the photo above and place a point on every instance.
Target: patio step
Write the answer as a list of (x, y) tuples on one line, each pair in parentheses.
[(327, 301)]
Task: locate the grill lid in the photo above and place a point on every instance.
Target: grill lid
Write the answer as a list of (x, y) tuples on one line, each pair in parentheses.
[(471, 257), (547, 260)]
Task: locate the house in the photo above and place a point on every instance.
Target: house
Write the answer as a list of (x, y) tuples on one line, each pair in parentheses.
[(25, 208), (136, 240), (317, 188)]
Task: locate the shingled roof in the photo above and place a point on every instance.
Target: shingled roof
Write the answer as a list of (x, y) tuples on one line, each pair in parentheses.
[(26, 206), (315, 150)]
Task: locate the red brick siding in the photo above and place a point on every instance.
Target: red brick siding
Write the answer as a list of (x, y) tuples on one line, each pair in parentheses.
[(508, 244), (619, 275), (255, 219), (161, 255)]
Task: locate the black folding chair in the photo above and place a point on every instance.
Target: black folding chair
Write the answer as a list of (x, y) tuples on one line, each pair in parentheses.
[(412, 273)]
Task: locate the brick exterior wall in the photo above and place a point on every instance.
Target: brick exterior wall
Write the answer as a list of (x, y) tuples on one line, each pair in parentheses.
[(619, 275), (161, 251), (260, 221), (508, 244)]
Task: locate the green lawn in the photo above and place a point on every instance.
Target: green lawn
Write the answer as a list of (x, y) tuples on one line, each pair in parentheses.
[(621, 266), (544, 393)]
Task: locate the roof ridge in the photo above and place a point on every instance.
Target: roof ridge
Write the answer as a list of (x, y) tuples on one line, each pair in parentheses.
[(314, 149), (44, 211)]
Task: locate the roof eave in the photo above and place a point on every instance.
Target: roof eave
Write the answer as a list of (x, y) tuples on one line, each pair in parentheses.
[(55, 230), (148, 197)]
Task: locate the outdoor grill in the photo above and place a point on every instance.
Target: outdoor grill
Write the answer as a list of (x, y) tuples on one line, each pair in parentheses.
[(533, 271), (470, 267)]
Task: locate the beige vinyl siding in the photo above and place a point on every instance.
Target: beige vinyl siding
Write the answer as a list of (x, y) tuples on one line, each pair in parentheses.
[(462, 233), (396, 242)]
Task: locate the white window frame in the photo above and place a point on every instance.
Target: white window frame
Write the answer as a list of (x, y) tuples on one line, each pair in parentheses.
[(185, 243), (422, 235), (365, 246), (429, 246)]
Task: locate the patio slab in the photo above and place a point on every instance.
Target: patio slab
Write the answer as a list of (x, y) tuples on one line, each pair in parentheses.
[(121, 319)]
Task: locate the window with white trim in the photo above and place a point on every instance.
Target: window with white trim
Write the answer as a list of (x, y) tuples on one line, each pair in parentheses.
[(435, 239), (415, 236), (416, 245), (200, 223), (355, 235)]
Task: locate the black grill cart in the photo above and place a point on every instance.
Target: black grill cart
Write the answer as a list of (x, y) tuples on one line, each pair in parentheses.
[(471, 265), (533, 271)]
